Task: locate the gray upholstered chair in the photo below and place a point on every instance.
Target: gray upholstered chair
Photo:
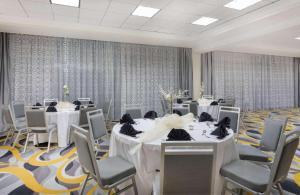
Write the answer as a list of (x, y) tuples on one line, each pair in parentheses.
[(109, 172), (187, 168), (194, 108), (47, 102), (227, 102), (135, 111), (37, 124), (18, 111), (274, 128), (11, 126), (234, 114), (83, 120), (260, 179), (98, 131), (84, 101)]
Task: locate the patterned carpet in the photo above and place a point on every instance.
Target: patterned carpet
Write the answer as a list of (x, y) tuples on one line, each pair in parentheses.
[(58, 172)]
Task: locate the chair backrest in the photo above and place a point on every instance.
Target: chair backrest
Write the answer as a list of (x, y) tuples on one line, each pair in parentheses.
[(47, 102), (84, 101), (18, 109), (208, 97), (107, 108), (36, 118), (187, 167), (285, 152), (227, 102), (194, 108), (86, 153), (135, 111), (83, 120), (7, 115), (97, 124), (272, 132), (233, 113)]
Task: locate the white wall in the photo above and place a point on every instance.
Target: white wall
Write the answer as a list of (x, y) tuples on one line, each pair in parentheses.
[(196, 74)]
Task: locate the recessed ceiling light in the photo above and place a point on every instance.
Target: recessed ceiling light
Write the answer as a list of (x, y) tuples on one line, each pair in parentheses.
[(145, 11), (298, 38), (241, 4), (204, 21), (72, 3)]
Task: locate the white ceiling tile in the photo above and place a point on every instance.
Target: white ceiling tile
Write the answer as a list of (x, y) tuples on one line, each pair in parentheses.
[(87, 16), (41, 15), (189, 7), (65, 11), (11, 8), (167, 14), (155, 3), (134, 2), (114, 19), (134, 22), (65, 19), (121, 8), (36, 6), (94, 4)]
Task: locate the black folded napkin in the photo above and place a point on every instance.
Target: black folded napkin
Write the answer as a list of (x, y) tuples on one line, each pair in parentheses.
[(77, 103), (221, 100), (179, 101), (151, 115), (126, 118), (177, 112), (214, 103), (127, 129), (38, 104), (90, 102), (204, 116), (77, 107), (179, 135), (221, 130), (53, 104), (51, 109)]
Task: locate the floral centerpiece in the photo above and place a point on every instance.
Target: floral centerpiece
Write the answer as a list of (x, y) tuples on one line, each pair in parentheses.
[(201, 89), (66, 91), (169, 96)]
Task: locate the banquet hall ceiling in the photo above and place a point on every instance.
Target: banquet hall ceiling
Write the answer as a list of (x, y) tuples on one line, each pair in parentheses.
[(270, 26)]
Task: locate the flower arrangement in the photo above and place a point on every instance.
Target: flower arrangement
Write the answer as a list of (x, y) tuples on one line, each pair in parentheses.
[(169, 96), (201, 89), (66, 90)]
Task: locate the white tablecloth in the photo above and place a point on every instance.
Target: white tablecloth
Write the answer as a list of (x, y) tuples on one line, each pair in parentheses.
[(64, 118), (147, 159)]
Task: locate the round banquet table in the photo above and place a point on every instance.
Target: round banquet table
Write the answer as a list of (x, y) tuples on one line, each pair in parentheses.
[(63, 118), (147, 158)]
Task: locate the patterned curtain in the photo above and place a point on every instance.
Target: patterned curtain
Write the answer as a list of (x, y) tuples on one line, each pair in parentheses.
[(254, 81), (4, 73), (125, 73), (297, 81)]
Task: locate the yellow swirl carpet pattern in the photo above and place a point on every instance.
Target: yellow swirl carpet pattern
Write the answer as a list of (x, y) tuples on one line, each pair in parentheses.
[(59, 172), (39, 172)]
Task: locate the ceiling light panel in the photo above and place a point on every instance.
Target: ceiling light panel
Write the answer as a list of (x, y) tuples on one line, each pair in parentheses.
[(72, 3), (204, 21), (145, 11), (241, 4)]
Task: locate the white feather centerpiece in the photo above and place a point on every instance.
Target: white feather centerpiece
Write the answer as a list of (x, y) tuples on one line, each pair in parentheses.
[(162, 127)]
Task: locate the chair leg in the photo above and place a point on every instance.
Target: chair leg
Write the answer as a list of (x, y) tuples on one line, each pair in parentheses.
[(134, 186), (84, 184), (280, 189), (224, 188), (17, 138), (8, 135), (49, 141), (26, 142)]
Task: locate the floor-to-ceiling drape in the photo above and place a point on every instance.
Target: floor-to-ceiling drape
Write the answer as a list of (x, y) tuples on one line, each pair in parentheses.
[(297, 81), (4, 72), (254, 81), (126, 73)]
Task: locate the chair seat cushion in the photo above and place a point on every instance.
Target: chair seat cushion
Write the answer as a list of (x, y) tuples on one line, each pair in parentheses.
[(247, 152), (248, 174), (114, 169)]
